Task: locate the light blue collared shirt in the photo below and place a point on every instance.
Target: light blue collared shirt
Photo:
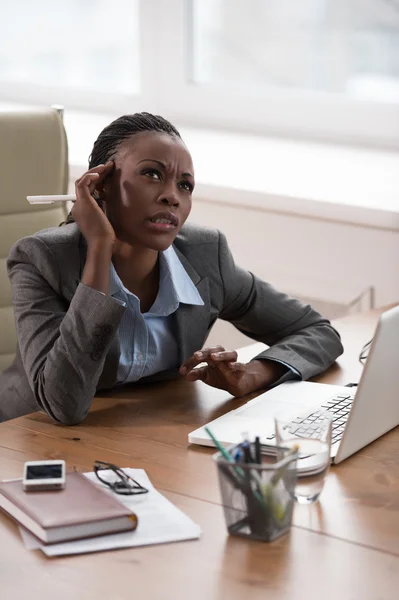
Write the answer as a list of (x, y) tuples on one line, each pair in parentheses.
[(148, 342)]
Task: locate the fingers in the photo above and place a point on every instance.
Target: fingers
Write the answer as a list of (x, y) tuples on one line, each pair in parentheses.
[(103, 170), (198, 374), (86, 185), (103, 167), (224, 356), (232, 372), (199, 357), (224, 361), (231, 369)]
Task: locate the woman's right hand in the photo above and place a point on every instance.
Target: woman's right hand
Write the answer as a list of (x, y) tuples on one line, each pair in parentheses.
[(87, 214)]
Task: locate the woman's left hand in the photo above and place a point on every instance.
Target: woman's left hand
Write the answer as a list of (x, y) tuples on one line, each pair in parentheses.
[(224, 372)]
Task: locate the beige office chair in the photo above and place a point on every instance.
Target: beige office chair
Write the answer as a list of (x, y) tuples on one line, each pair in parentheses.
[(33, 161)]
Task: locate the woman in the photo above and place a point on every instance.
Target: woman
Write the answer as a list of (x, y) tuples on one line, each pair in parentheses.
[(125, 291)]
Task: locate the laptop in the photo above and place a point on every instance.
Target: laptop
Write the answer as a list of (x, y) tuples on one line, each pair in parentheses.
[(360, 414)]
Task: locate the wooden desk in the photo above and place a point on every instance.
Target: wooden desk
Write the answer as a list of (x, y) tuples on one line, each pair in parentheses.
[(344, 547)]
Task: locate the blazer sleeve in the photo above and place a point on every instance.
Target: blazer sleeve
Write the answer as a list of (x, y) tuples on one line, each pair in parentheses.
[(297, 334), (63, 348)]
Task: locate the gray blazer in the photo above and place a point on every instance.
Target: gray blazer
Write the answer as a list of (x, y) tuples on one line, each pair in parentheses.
[(68, 344)]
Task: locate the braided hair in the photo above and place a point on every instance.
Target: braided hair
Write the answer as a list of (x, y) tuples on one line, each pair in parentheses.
[(109, 140)]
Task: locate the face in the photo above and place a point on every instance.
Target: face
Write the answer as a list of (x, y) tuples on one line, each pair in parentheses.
[(147, 197)]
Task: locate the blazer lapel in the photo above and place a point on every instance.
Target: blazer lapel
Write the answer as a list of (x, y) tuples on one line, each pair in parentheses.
[(193, 322)]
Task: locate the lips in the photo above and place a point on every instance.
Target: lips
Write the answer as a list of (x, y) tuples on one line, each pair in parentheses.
[(164, 217)]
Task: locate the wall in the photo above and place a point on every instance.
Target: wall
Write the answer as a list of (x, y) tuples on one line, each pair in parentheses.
[(327, 263)]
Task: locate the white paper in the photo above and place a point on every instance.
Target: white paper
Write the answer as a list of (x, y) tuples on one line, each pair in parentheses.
[(159, 522)]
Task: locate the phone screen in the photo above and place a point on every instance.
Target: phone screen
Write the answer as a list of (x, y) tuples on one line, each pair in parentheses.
[(44, 472)]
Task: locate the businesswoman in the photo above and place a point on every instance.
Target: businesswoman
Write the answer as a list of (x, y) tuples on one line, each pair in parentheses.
[(126, 290)]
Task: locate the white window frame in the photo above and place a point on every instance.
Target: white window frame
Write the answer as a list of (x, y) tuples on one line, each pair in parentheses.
[(320, 116), (165, 89), (104, 102)]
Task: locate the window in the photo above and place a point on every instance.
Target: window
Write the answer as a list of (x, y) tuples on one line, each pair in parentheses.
[(346, 47), (325, 69), (70, 48)]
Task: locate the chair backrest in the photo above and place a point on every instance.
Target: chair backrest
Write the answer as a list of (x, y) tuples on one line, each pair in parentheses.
[(33, 161)]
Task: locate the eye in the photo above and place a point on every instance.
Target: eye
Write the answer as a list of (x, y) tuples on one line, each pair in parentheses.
[(187, 186), (152, 174)]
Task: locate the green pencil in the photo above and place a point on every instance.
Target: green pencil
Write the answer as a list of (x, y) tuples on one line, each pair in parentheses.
[(219, 446)]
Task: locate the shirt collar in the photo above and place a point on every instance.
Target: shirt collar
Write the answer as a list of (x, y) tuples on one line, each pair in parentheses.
[(185, 290), (175, 285)]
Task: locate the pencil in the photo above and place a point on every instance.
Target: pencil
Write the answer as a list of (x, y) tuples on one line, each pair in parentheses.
[(219, 446)]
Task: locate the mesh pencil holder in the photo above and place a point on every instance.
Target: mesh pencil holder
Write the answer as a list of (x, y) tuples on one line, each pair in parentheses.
[(258, 499)]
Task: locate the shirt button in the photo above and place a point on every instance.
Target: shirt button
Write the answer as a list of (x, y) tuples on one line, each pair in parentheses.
[(139, 356)]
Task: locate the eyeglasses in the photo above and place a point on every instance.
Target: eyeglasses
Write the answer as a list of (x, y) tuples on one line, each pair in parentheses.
[(124, 484), (365, 352)]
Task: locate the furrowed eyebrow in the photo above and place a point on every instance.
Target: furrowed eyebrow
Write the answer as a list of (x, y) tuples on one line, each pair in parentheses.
[(161, 164)]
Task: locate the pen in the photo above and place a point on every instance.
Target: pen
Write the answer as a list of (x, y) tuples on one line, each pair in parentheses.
[(247, 452), (238, 455), (246, 447), (264, 500), (243, 482), (51, 199), (258, 457), (219, 446), (224, 452)]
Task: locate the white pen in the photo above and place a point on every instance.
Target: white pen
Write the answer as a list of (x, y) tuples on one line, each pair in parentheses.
[(51, 199)]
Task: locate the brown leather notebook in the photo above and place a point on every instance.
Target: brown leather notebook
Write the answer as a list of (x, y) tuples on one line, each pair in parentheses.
[(82, 509)]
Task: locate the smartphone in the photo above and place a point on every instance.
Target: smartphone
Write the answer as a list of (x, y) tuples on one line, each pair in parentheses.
[(44, 475)]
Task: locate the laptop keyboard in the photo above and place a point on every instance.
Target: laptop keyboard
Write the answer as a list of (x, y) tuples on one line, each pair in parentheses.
[(306, 425)]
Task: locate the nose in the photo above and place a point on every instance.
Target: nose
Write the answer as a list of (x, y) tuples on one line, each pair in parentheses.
[(169, 197), (169, 200)]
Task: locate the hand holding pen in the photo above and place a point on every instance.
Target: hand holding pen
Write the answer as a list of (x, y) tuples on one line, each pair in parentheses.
[(86, 212)]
